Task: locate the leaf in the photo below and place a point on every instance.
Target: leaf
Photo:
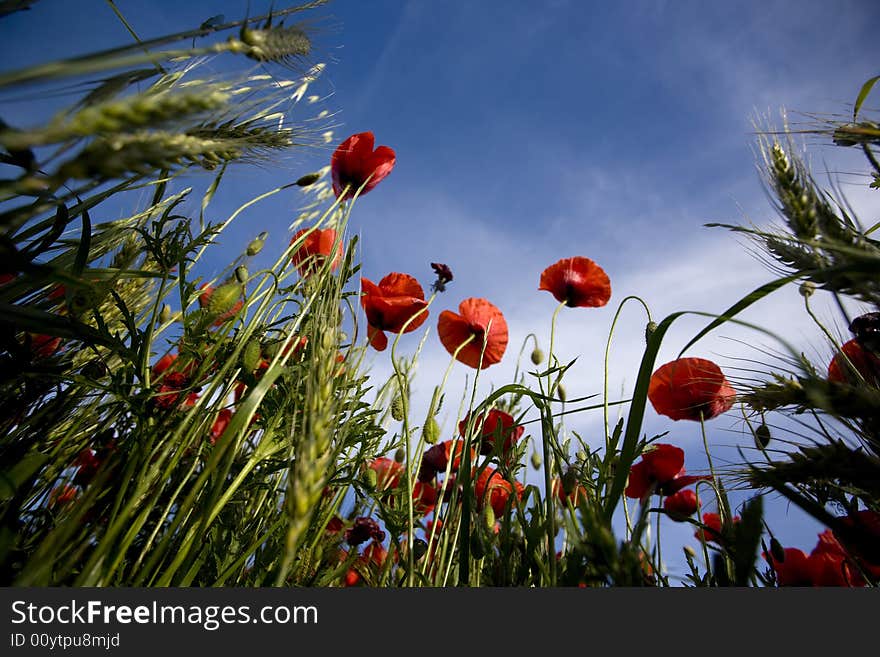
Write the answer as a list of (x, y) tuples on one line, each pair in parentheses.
[(747, 538), (13, 478), (863, 94), (85, 244)]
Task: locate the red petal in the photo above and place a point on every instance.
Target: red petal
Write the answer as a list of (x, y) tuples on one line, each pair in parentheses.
[(578, 281), (664, 462), (690, 388)]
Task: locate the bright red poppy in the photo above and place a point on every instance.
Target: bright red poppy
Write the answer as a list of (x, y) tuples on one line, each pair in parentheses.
[(354, 164), (714, 530), (388, 472), (690, 389), (794, 570), (661, 467), (224, 417), (578, 281), (62, 495), (396, 300), (491, 486), (163, 364), (681, 505), (424, 497), (492, 426), (476, 322), (865, 363), (317, 245)]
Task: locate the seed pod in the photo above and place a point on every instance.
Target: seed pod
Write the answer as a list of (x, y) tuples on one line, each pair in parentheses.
[(165, 315), (250, 355), (308, 179), (400, 455), (489, 517), (95, 369), (257, 244), (397, 408), (241, 274), (569, 481), (537, 356), (420, 548), (807, 289), (478, 545), (762, 436), (560, 390), (649, 331), (536, 460), (431, 431), (223, 299)]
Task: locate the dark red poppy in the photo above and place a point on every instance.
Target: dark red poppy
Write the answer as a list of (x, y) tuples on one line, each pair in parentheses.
[(334, 525), (861, 536), (354, 164), (491, 487), (362, 531), (169, 392), (865, 363), (794, 570), (714, 530), (681, 505), (6, 278), (476, 322), (388, 473), (424, 497), (829, 563), (690, 389), (224, 417), (44, 346), (436, 458), (396, 300), (578, 281), (317, 245), (444, 276), (496, 425)]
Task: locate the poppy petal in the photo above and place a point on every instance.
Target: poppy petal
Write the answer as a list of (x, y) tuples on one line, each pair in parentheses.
[(578, 281)]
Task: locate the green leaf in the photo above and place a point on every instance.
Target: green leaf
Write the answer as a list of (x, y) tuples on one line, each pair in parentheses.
[(85, 244), (863, 94), (13, 478)]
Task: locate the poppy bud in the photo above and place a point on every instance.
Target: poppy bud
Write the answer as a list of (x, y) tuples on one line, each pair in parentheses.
[(165, 315), (308, 179), (431, 431), (807, 288), (251, 355), (489, 517), (536, 460), (420, 549), (397, 408), (241, 274), (569, 481), (400, 455), (257, 245), (537, 356), (649, 331), (478, 545), (223, 299), (560, 390), (581, 456), (689, 552), (95, 370), (762, 436)]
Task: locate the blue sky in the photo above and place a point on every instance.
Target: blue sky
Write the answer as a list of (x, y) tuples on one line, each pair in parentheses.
[(526, 132)]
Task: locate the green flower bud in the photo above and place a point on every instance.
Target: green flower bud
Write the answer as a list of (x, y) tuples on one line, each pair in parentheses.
[(165, 315), (762, 436), (400, 455), (257, 245), (223, 299), (420, 548), (689, 552), (807, 289), (431, 430), (397, 408), (537, 356), (489, 517), (308, 179), (250, 355), (560, 390), (649, 331), (536, 460), (241, 274)]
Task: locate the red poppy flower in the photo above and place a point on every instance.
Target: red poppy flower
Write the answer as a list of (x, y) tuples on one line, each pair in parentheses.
[(315, 248), (224, 417), (476, 322), (354, 164), (681, 505), (363, 530), (334, 525), (865, 363), (690, 389), (44, 346), (794, 570), (493, 488), (436, 458), (862, 539), (169, 392), (388, 473), (658, 466), (713, 530), (397, 299), (576, 496), (6, 278), (424, 497), (497, 424), (578, 281), (62, 495)]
